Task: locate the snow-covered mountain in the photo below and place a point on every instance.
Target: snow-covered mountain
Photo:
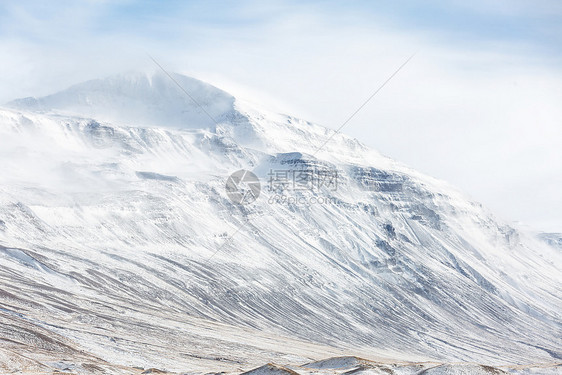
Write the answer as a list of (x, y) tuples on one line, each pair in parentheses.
[(118, 241), (140, 99)]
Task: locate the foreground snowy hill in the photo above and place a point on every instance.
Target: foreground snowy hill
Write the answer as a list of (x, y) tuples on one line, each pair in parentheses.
[(118, 242)]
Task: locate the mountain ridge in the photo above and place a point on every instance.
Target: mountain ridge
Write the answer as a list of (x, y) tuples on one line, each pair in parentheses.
[(397, 262), (139, 98)]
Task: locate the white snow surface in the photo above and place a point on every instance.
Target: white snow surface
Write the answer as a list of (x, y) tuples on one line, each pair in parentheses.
[(117, 237), (139, 99)]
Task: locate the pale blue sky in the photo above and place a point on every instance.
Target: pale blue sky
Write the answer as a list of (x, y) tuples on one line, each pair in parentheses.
[(536, 22), (478, 106)]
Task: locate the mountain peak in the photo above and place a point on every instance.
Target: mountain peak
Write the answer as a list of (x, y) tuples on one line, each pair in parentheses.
[(139, 99)]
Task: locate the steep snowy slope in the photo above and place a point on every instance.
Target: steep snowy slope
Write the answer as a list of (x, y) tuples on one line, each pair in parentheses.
[(123, 239)]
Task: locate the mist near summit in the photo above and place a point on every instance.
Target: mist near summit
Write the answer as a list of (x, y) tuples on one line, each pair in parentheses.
[(479, 107)]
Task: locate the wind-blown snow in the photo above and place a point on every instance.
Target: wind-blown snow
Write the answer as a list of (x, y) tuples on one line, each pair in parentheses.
[(139, 99), (108, 226)]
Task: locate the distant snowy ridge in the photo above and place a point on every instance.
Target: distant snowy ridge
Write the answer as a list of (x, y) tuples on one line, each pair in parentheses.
[(553, 239)]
